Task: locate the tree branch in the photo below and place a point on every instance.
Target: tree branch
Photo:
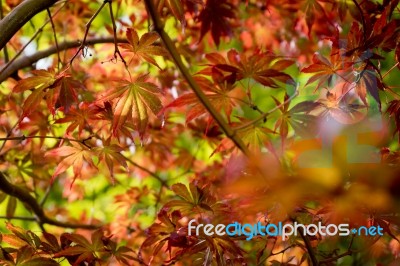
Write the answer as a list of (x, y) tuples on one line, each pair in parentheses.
[(26, 198), (38, 31), (310, 250), (17, 18), (23, 137), (159, 27), (307, 243), (27, 61)]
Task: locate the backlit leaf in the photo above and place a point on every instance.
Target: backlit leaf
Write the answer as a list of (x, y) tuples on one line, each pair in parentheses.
[(133, 100), (143, 48)]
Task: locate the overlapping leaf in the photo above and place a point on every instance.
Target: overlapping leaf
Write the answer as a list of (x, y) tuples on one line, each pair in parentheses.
[(313, 8), (323, 71), (299, 118), (110, 154), (58, 91), (81, 117), (218, 95), (167, 231), (83, 249)]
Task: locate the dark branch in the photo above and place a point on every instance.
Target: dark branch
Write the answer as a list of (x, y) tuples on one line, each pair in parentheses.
[(17, 18), (27, 61), (30, 201), (23, 137)]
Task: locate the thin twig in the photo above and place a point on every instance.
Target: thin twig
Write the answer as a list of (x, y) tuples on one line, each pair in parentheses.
[(87, 26), (283, 250), (46, 194), (264, 115), (162, 181), (19, 218), (384, 75), (55, 39), (307, 243), (116, 50), (159, 28)]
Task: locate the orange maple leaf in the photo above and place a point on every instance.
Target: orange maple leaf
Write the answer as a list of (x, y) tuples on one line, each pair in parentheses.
[(144, 47), (132, 100), (75, 156)]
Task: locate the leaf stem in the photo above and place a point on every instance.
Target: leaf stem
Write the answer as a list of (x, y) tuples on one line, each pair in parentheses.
[(55, 38)]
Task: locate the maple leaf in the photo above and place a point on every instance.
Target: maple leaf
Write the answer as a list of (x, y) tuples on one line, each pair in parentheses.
[(299, 118), (263, 67), (367, 81), (81, 117), (144, 47), (132, 100), (323, 70), (67, 93), (216, 16), (254, 137), (75, 156), (41, 81), (218, 95), (197, 200), (312, 8)]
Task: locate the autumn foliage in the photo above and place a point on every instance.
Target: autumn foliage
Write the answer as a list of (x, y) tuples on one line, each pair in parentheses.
[(123, 120)]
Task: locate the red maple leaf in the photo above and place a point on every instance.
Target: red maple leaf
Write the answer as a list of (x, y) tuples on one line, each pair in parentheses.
[(216, 16)]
